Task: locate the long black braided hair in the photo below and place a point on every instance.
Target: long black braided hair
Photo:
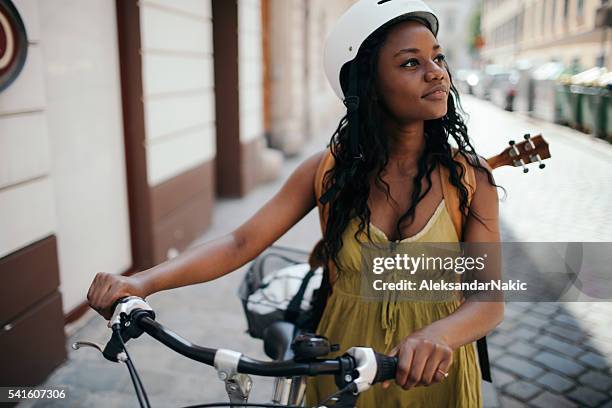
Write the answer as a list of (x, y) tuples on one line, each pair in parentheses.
[(347, 186)]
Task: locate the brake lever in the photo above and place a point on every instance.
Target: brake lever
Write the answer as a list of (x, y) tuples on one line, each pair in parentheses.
[(80, 344), (120, 356), (120, 323)]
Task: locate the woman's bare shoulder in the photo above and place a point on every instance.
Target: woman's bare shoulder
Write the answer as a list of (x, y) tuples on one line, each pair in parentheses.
[(310, 165)]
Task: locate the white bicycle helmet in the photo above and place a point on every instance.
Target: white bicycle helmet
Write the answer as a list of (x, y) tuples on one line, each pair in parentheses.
[(361, 20), (342, 46)]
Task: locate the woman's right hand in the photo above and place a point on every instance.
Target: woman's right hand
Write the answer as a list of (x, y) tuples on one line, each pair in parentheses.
[(107, 288)]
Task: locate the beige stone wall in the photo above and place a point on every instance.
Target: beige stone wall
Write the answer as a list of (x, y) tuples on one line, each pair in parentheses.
[(302, 102), (547, 31), (324, 107), (287, 74)]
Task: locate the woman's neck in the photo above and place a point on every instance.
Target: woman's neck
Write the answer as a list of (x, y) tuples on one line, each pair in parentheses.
[(406, 146)]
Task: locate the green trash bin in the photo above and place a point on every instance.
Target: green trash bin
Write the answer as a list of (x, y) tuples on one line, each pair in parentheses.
[(593, 114), (563, 114), (607, 116), (575, 102)]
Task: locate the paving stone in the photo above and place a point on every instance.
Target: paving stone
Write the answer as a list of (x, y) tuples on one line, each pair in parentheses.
[(519, 366), (548, 400), (525, 333), (501, 377), (594, 360), (558, 363), (495, 352), (511, 312), (533, 320), (509, 402), (499, 339), (523, 349), (522, 390), (588, 396), (520, 306), (558, 345), (568, 320), (490, 399), (573, 336), (556, 382), (597, 381), (600, 346), (507, 326), (546, 309)]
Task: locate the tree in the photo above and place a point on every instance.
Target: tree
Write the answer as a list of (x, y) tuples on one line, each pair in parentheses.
[(475, 38)]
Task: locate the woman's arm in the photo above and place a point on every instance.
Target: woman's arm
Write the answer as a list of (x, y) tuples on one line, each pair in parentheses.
[(220, 256), (473, 319), (430, 349)]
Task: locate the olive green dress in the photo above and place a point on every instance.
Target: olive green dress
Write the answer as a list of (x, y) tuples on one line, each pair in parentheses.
[(350, 321)]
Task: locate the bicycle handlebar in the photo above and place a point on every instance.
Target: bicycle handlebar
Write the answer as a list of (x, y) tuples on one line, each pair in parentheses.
[(133, 316), (246, 365)]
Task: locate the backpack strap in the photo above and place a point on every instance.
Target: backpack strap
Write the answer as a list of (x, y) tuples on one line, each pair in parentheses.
[(327, 163)]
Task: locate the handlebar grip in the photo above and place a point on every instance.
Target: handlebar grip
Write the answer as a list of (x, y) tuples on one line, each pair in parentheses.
[(119, 301), (386, 367)]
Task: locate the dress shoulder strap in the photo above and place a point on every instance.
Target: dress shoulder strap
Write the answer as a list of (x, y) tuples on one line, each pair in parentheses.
[(451, 193)]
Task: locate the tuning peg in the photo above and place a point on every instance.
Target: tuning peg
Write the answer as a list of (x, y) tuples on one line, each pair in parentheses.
[(529, 143), (514, 152), (536, 157), (520, 162)]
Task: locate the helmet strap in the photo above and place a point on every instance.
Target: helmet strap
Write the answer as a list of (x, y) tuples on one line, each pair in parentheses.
[(351, 101), (352, 105)]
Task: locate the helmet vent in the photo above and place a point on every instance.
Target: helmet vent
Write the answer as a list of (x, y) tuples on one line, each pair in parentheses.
[(383, 1)]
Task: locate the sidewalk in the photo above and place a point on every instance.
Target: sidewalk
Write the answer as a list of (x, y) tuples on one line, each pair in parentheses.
[(552, 354)]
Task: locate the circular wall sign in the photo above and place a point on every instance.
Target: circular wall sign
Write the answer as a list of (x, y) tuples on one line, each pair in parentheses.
[(13, 43)]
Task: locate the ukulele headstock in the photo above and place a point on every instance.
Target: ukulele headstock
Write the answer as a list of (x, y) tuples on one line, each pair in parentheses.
[(531, 150)]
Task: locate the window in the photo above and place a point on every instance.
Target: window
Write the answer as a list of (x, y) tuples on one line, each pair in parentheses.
[(580, 8), (565, 8)]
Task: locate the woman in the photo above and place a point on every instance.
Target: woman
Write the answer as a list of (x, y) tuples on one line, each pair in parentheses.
[(385, 185)]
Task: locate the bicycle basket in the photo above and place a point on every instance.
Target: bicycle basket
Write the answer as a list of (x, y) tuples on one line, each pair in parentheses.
[(278, 286)]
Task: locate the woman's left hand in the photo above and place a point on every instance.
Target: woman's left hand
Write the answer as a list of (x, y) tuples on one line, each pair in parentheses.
[(423, 359)]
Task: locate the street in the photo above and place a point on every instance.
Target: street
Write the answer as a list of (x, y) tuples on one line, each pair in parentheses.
[(543, 353)]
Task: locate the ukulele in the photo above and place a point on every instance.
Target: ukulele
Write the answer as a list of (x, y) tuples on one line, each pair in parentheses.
[(529, 151)]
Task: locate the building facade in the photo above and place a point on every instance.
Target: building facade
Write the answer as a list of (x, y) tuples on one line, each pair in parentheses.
[(126, 123), (545, 30), (454, 32)]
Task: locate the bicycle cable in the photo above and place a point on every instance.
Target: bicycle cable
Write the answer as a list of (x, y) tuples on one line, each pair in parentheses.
[(348, 387), (138, 387)]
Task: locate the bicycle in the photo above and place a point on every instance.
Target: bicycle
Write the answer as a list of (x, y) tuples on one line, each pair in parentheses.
[(354, 372)]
